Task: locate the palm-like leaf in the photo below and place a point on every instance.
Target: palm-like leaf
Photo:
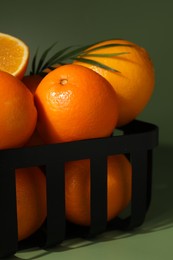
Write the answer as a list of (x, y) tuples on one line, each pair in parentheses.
[(96, 63), (70, 54)]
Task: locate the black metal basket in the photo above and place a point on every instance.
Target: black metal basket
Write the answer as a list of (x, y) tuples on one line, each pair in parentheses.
[(137, 141)]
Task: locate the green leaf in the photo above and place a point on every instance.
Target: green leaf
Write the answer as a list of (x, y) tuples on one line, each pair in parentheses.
[(43, 57), (96, 63), (33, 65), (82, 50), (107, 46), (55, 58), (70, 53), (75, 52), (103, 54)]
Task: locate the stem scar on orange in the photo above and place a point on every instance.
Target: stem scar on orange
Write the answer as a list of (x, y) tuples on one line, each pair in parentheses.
[(75, 103)]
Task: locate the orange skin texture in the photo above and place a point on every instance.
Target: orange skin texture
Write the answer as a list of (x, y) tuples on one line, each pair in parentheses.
[(31, 200), (18, 114), (77, 191), (134, 83), (75, 103)]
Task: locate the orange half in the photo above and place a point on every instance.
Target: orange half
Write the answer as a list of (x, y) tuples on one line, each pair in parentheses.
[(14, 55)]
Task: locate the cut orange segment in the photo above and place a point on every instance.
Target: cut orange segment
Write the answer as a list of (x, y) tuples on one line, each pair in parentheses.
[(14, 55)]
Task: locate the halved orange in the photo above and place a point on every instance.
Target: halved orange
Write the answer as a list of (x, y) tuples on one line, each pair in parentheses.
[(14, 55)]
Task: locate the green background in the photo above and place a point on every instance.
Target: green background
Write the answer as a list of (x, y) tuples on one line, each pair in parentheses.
[(149, 24)]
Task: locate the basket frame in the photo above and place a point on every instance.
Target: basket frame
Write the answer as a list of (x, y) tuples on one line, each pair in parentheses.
[(138, 140)]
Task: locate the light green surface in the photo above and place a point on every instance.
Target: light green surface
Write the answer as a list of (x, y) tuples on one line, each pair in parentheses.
[(148, 23), (137, 246), (114, 248)]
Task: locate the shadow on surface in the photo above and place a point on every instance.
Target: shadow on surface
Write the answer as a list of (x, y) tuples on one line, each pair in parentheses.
[(159, 216)]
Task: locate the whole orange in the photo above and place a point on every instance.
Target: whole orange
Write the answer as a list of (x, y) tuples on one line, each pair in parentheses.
[(31, 200), (134, 81), (18, 114), (75, 103), (77, 188)]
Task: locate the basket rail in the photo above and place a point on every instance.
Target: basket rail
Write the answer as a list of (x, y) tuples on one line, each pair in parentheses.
[(138, 140)]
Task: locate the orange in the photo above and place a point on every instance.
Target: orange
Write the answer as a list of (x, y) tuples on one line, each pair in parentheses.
[(134, 83), (77, 188), (18, 114), (14, 55), (31, 200), (75, 103), (32, 81)]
